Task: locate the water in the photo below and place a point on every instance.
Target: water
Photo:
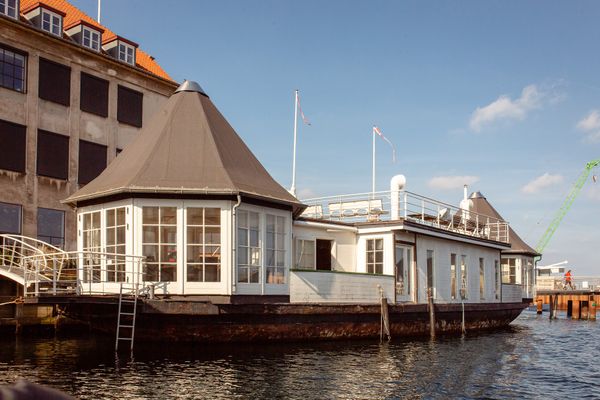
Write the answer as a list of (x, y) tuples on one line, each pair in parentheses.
[(534, 358)]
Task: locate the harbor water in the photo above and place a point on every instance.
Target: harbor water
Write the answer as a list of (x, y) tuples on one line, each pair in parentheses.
[(533, 358)]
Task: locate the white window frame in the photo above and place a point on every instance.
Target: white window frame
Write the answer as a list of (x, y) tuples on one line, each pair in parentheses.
[(375, 251), (123, 53), (10, 10), (299, 252), (279, 248), (54, 22), (253, 252), (91, 32)]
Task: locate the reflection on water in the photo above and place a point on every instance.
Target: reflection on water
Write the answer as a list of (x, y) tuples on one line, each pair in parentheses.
[(533, 358)]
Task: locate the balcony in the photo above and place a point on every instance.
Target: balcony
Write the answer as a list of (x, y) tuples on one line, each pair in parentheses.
[(402, 206)]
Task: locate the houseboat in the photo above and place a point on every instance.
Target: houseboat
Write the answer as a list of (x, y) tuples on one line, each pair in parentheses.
[(189, 224)]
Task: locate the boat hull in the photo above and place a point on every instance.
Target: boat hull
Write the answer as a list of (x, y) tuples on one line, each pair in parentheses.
[(161, 320)]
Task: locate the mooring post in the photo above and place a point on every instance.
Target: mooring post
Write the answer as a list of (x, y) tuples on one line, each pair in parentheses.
[(592, 313), (551, 306), (540, 305), (556, 298), (431, 313)]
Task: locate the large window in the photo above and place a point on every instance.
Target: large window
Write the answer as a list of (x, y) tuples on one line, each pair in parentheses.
[(53, 155), (203, 263), (51, 22), (92, 161), (509, 270), (90, 38), (159, 243), (12, 148), (127, 53), (453, 276), (375, 256), (275, 249), (463, 277), (51, 226), (305, 254), (94, 95), (92, 243), (481, 279), (10, 218), (249, 256), (12, 68), (115, 244), (9, 7), (55, 82), (129, 106)]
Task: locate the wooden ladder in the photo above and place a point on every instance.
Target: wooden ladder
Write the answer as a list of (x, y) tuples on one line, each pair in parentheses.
[(128, 297)]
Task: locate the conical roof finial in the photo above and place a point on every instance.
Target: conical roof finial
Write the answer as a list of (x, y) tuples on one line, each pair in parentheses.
[(190, 86)]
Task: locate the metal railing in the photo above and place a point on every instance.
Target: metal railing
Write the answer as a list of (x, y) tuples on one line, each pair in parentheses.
[(404, 205), (43, 269)]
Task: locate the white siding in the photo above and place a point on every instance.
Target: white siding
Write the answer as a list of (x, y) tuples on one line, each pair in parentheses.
[(343, 252)]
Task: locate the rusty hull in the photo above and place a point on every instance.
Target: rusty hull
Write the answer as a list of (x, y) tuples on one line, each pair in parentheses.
[(187, 321)]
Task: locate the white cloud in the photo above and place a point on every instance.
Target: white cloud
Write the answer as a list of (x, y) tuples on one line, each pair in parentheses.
[(504, 108), (590, 125), (542, 182), (306, 193), (451, 182)]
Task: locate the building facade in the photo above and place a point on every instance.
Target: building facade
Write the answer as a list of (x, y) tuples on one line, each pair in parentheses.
[(73, 94)]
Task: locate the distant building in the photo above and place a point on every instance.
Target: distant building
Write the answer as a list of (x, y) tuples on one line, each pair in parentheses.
[(73, 94)]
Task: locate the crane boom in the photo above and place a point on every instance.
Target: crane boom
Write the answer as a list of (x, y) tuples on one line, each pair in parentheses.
[(564, 209)]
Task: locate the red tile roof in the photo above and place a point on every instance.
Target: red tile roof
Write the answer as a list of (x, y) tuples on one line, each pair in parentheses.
[(74, 16)]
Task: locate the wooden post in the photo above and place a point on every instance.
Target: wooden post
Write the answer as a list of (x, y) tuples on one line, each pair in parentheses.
[(540, 305), (551, 305), (431, 313), (556, 298), (592, 314), (576, 309)]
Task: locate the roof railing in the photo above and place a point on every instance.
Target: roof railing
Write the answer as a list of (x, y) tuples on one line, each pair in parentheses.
[(407, 206)]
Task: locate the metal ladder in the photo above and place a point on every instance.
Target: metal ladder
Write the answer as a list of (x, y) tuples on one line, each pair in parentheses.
[(128, 297)]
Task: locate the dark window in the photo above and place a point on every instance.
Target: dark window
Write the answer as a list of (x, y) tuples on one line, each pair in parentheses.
[(51, 226), (324, 254), (55, 82), (12, 146), (10, 218), (13, 67), (92, 161), (94, 95), (53, 155), (130, 105)]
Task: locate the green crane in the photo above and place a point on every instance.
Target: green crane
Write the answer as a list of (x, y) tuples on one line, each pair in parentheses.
[(564, 209)]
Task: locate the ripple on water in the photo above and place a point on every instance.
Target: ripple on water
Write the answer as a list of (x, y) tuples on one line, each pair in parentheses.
[(533, 358)]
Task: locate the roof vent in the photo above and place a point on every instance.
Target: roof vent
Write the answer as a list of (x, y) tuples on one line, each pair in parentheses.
[(190, 86)]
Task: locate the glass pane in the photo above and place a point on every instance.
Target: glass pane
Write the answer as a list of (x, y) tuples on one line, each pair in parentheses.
[(50, 223), (370, 258), (194, 273), (168, 254), (242, 237), (212, 273), (379, 244), (168, 215), (195, 254), (243, 256), (270, 223), (254, 238), (150, 215), (255, 256), (194, 216), (110, 236), (120, 235), (242, 218), (270, 257), (280, 258), (150, 252), (213, 235), (150, 234), (194, 235), (212, 216), (96, 220), (212, 254), (168, 234), (121, 216), (270, 240), (243, 274), (110, 218), (379, 257), (253, 223), (370, 244), (253, 274), (280, 242), (151, 272), (168, 273), (281, 224)]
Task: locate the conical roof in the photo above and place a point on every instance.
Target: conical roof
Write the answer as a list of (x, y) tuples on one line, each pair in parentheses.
[(479, 204), (187, 148)]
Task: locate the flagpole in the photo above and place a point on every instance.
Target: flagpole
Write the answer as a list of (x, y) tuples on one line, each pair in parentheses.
[(373, 185), (293, 188), (99, 7)]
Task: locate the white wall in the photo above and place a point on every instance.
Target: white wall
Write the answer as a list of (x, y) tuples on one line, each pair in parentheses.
[(442, 248), (343, 252), (511, 293), (339, 287)]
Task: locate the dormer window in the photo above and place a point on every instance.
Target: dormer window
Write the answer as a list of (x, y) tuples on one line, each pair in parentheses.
[(90, 38), (9, 8), (126, 53), (51, 22)]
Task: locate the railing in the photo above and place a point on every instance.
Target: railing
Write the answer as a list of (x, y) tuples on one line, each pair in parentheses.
[(396, 205), (44, 269)]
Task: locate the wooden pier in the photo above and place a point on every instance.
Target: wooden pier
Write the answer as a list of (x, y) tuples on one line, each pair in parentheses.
[(579, 304)]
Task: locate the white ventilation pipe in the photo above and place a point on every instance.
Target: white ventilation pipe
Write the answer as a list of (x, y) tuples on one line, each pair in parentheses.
[(396, 185)]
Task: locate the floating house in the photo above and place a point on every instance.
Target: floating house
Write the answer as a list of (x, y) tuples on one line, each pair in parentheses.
[(217, 250)]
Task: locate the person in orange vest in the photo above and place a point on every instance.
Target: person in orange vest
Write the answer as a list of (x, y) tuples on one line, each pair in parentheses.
[(568, 279)]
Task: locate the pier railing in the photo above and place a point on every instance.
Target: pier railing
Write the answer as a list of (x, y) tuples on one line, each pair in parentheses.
[(404, 205), (43, 269)]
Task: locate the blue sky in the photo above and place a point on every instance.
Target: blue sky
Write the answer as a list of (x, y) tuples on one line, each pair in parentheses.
[(503, 95)]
